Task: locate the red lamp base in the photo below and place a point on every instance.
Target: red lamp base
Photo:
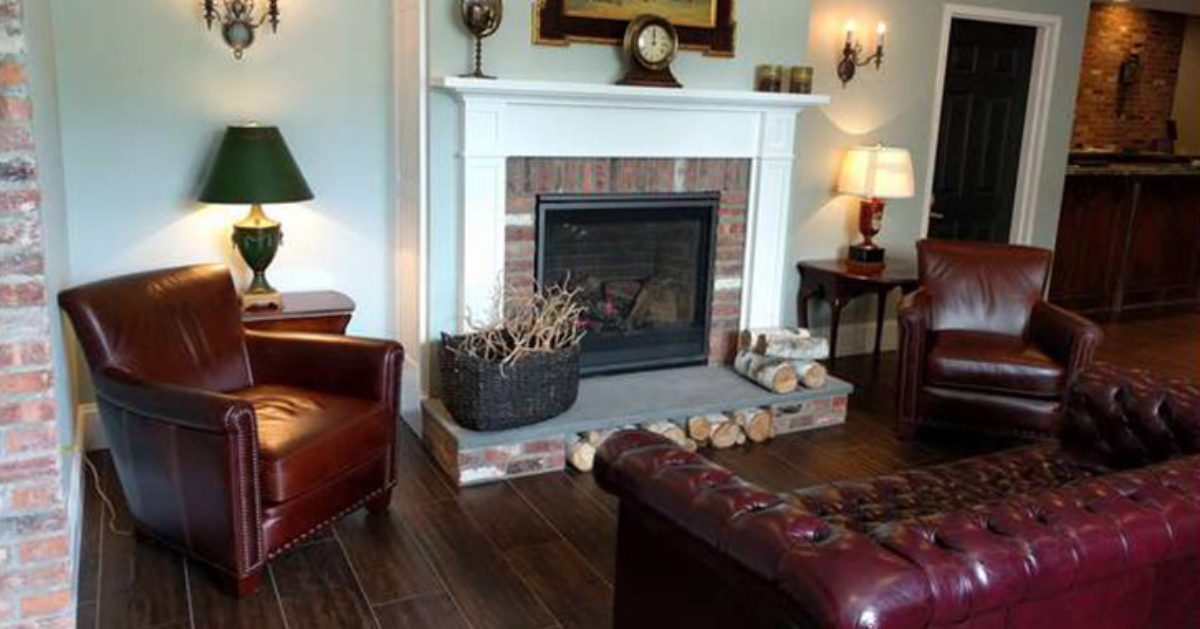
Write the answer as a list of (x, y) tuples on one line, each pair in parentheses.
[(868, 257)]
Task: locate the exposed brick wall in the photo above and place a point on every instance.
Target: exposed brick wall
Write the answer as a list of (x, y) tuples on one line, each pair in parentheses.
[(1113, 32), (35, 564), (528, 177)]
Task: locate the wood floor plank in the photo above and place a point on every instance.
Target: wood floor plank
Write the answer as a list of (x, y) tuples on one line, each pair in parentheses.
[(141, 583), (755, 464), (486, 588), (318, 589), (575, 594), (431, 611), (505, 518), (582, 521), (88, 587), (418, 479), (587, 482), (387, 557), (214, 608)]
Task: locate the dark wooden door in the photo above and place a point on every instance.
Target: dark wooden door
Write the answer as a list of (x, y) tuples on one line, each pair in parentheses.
[(984, 99)]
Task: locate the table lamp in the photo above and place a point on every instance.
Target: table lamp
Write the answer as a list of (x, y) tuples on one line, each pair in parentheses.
[(874, 173), (253, 166)]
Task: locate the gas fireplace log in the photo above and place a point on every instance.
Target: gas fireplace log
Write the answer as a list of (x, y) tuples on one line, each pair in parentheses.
[(773, 375), (582, 455)]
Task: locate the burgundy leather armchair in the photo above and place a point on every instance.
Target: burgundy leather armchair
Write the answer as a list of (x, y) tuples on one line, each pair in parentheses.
[(1101, 532), (981, 348), (233, 445)]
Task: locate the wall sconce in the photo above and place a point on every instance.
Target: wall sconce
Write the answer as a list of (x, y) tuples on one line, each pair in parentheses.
[(238, 21), (852, 52)]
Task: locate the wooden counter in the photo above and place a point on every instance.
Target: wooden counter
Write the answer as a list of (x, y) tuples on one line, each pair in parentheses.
[(1128, 243)]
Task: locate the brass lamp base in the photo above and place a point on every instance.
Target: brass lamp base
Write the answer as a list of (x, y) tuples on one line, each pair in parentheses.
[(257, 238), (262, 301)]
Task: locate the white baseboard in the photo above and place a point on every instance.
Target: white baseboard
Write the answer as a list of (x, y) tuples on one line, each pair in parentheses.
[(859, 338), (73, 466), (93, 431)]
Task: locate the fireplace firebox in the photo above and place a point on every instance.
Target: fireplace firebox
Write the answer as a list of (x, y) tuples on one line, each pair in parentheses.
[(643, 265)]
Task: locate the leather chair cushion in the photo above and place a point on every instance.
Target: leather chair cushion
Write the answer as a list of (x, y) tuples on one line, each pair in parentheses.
[(993, 363), (306, 437)]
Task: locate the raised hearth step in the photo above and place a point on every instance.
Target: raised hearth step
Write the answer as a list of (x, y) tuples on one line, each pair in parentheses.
[(605, 402)]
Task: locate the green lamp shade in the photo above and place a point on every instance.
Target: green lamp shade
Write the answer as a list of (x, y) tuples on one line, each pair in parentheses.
[(254, 165)]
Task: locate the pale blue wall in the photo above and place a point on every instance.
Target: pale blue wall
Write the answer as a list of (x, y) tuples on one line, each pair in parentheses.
[(894, 106), (145, 92)]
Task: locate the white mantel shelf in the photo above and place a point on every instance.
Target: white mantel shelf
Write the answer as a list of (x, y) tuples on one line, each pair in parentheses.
[(594, 92), (502, 118)]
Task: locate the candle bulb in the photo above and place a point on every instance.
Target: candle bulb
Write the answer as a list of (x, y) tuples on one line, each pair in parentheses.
[(850, 26), (882, 30)]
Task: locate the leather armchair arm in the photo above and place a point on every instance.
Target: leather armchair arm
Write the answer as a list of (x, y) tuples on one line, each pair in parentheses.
[(188, 465), (914, 332), (1067, 337), (341, 365), (180, 406)]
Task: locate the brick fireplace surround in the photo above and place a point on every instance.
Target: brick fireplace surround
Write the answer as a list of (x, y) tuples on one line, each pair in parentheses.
[(528, 177)]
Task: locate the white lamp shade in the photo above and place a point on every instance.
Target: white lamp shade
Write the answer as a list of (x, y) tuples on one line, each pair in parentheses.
[(877, 172)]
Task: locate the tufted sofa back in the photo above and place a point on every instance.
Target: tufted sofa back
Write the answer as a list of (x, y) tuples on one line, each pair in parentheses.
[(1034, 536), (1126, 418)]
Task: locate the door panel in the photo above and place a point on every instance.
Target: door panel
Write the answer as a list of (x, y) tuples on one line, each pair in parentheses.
[(982, 123)]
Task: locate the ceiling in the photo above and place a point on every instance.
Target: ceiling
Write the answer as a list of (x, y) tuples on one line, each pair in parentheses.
[(1191, 7)]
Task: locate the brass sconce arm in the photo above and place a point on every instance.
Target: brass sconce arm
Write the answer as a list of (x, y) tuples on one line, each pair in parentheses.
[(852, 58)]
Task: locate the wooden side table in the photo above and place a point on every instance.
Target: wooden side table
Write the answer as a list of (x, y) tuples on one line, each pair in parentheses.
[(838, 284), (324, 312)]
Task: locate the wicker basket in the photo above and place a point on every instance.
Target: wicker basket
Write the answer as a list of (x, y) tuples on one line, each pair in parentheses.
[(481, 395)]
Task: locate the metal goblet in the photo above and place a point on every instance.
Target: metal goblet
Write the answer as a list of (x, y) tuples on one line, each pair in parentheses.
[(482, 18)]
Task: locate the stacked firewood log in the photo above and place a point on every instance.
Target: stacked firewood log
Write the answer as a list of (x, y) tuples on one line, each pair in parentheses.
[(782, 359), (715, 430)]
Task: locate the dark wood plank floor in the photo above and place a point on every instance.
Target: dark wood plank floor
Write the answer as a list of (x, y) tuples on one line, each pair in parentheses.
[(531, 553)]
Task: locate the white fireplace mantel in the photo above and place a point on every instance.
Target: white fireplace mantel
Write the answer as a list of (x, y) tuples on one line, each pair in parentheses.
[(503, 118)]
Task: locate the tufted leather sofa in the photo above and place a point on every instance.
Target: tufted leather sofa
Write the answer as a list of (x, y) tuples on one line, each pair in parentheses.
[(233, 445), (1102, 531), (981, 349)]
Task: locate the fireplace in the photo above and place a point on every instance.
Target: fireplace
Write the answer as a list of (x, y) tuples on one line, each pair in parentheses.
[(643, 266)]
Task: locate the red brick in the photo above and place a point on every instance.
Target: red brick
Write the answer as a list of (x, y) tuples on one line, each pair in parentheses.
[(13, 201), (36, 496), (15, 108), (22, 294), (25, 354), (33, 579), (25, 382), (15, 137), (27, 412), (45, 604), (19, 440), (28, 469), (38, 550), (11, 74)]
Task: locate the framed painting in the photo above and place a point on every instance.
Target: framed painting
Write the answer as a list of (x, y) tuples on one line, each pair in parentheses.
[(705, 25)]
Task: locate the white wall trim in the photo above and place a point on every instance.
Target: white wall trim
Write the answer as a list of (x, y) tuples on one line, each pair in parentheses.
[(410, 156), (505, 118), (1037, 112)]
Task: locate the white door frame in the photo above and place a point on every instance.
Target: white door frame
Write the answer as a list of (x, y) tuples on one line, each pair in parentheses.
[(1037, 111)]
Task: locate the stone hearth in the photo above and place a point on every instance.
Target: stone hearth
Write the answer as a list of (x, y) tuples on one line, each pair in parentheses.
[(606, 402)]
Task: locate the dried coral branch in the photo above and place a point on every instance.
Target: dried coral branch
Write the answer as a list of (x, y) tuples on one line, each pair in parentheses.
[(544, 319)]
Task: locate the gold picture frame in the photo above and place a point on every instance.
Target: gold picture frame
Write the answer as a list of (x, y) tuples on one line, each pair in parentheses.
[(705, 25)]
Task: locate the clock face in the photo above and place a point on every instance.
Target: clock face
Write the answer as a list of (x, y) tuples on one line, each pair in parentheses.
[(655, 45)]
